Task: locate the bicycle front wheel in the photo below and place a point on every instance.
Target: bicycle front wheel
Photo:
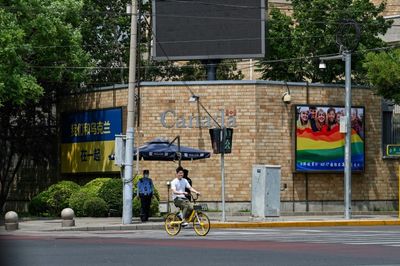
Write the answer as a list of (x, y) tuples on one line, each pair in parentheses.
[(172, 224), (201, 224)]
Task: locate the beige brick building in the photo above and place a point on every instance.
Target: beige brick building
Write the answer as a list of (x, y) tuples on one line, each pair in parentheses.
[(263, 134)]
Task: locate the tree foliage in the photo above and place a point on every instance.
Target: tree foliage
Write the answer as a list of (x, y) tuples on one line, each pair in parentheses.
[(106, 35), (105, 31), (383, 72), (40, 49), (295, 43), (17, 84)]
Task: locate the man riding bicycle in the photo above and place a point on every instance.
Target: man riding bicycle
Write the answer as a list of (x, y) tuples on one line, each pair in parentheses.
[(178, 186)]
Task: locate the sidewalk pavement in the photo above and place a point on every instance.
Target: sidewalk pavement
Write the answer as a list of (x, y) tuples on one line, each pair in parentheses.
[(235, 220)]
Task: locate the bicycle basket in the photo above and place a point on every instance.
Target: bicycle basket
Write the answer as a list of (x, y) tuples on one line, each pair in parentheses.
[(197, 207)]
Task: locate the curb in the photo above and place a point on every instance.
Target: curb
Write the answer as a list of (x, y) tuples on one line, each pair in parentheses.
[(112, 228), (305, 224), (159, 225), (233, 225)]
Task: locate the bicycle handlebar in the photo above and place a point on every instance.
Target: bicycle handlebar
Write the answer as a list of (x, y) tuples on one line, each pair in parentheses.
[(195, 196)]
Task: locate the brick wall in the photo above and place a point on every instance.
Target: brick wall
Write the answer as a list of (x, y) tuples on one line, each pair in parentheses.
[(263, 135), (392, 7)]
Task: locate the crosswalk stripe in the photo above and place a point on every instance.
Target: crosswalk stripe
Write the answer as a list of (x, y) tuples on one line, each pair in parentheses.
[(323, 237)]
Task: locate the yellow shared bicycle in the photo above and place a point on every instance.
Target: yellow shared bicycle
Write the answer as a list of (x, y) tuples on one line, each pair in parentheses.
[(201, 222)]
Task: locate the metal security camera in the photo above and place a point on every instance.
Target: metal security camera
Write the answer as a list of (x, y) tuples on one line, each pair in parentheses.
[(286, 98)]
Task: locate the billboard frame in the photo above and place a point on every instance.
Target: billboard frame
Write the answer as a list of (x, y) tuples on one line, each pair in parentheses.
[(165, 57), (294, 141)]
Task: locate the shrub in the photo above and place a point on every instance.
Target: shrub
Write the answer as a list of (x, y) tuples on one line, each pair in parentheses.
[(59, 194), (95, 207), (88, 191), (95, 185), (136, 206), (78, 199), (50, 202), (111, 193), (155, 207), (38, 205)]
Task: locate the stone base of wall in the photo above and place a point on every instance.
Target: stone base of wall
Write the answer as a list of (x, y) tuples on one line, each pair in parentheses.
[(338, 206), (301, 207)]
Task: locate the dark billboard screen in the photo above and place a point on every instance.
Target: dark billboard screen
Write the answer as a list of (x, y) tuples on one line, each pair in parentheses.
[(320, 144), (208, 29)]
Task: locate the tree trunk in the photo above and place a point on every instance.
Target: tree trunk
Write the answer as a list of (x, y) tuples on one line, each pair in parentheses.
[(7, 180)]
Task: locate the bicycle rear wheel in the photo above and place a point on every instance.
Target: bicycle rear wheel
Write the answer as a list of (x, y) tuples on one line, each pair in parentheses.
[(201, 224), (172, 224)]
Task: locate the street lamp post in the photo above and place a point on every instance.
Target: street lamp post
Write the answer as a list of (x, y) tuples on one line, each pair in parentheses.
[(128, 166), (345, 56), (195, 98), (347, 38), (347, 151)]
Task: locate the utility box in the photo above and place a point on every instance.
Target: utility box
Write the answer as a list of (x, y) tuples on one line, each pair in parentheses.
[(266, 191)]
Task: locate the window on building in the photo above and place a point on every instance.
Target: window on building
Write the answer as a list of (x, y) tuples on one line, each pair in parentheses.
[(390, 126)]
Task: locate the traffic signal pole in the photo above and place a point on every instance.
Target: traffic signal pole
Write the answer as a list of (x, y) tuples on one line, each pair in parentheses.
[(223, 165)]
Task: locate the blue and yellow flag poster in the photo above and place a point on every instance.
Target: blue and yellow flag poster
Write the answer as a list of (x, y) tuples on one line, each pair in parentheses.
[(87, 139)]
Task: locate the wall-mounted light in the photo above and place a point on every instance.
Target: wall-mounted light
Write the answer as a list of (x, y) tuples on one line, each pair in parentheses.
[(193, 98), (322, 64)]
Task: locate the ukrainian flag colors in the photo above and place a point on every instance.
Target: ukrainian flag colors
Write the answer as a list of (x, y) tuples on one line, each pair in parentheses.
[(87, 140), (324, 151), (86, 157)]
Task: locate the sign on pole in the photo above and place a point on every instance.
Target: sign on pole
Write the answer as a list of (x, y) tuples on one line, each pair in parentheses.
[(393, 150)]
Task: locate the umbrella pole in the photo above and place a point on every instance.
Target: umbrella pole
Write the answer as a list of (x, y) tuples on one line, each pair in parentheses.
[(137, 150), (179, 150), (179, 147)]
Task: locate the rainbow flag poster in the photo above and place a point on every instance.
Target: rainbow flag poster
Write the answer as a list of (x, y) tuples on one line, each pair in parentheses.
[(321, 149)]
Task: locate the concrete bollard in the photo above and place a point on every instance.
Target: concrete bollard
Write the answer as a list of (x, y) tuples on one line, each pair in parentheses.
[(11, 220), (67, 216)]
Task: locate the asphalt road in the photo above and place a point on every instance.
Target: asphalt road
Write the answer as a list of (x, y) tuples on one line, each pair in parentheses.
[(283, 246)]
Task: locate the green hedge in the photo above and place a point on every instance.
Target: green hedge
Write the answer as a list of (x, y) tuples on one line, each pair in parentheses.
[(111, 193), (96, 198), (96, 184), (38, 205), (89, 191), (78, 199), (53, 200), (95, 207)]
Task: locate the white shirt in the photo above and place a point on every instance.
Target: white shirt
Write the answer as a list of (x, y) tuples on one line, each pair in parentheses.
[(179, 186)]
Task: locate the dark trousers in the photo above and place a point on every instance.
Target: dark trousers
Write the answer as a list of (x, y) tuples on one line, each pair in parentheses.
[(145, 202)]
